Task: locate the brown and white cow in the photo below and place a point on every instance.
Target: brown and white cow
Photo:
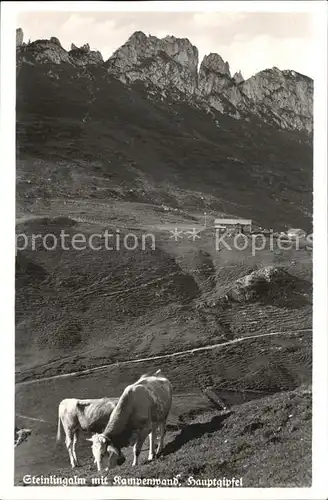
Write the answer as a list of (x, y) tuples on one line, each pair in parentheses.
[(142, 410), (89, 415)]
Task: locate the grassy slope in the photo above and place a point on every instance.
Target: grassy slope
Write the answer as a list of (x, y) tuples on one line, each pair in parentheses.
[(267, 445), (88, 302)]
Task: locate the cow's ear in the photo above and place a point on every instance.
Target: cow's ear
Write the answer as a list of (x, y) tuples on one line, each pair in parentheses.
[(89, 439)]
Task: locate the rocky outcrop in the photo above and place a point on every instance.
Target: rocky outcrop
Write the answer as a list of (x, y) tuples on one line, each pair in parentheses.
[(286, 94), (19, 37), (21, 435), (213, 63), (211, 79), (216, 85), (269, 281), (165, 62), (238, 77), (83, 56), (56, 41), (283, 98), (45, 51)]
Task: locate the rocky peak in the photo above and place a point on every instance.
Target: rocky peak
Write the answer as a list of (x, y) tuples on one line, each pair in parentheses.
[(137, 37), (83, 56), (164, 62), (85, 47), (215, 81), (182, 51), (19, 37), (213, 63), (45, 51), (238, 77), (287, 94), (55, 41)]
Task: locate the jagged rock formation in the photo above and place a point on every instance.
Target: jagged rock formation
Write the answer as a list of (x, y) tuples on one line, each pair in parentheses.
[(170, 64), (51, 51), (214, 75), (238, 77), (283, 98), (55, 40), (42, 51), (164, 62), (84, 56), (215, 64), (216, 85), (287, 94), (19, 37)]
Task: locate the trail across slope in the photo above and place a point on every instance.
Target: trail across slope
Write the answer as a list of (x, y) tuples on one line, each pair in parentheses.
[(163, 356)]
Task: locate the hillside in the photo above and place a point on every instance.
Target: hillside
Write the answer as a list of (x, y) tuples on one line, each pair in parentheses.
[(202, 444), (83, 134), (106, 145)]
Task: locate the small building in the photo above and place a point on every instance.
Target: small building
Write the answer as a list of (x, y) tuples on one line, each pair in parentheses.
[(294, 233), (233, 225)]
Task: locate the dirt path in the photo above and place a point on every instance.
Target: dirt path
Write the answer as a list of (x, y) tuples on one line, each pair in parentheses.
[(25, 417), (162, 356)]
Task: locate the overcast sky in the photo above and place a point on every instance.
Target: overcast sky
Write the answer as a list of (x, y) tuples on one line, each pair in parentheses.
[(250, 42)]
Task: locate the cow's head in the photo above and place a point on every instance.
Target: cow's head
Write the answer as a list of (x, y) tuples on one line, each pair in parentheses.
[(102, 447)]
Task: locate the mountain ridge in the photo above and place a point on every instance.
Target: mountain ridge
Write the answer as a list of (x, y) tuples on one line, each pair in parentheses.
[(283, 98)]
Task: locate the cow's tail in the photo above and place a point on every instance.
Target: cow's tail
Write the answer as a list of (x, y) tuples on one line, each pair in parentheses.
[(58, 427)]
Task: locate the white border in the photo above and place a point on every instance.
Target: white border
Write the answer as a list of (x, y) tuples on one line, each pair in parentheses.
[(174, 6), (319, 489)]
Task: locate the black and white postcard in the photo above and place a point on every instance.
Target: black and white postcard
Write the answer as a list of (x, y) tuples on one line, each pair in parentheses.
[(164, 201)]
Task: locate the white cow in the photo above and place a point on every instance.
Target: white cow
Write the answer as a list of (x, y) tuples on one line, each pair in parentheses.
[(90, 415), (142, 410)]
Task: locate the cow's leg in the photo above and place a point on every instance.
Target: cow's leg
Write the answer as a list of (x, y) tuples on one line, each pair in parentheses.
[(75, 438), (162, 429), (152, 440), (143, 433), (69, 446)]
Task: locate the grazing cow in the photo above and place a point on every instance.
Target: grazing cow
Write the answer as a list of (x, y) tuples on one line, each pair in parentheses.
[(90, 415), (142, 410)]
